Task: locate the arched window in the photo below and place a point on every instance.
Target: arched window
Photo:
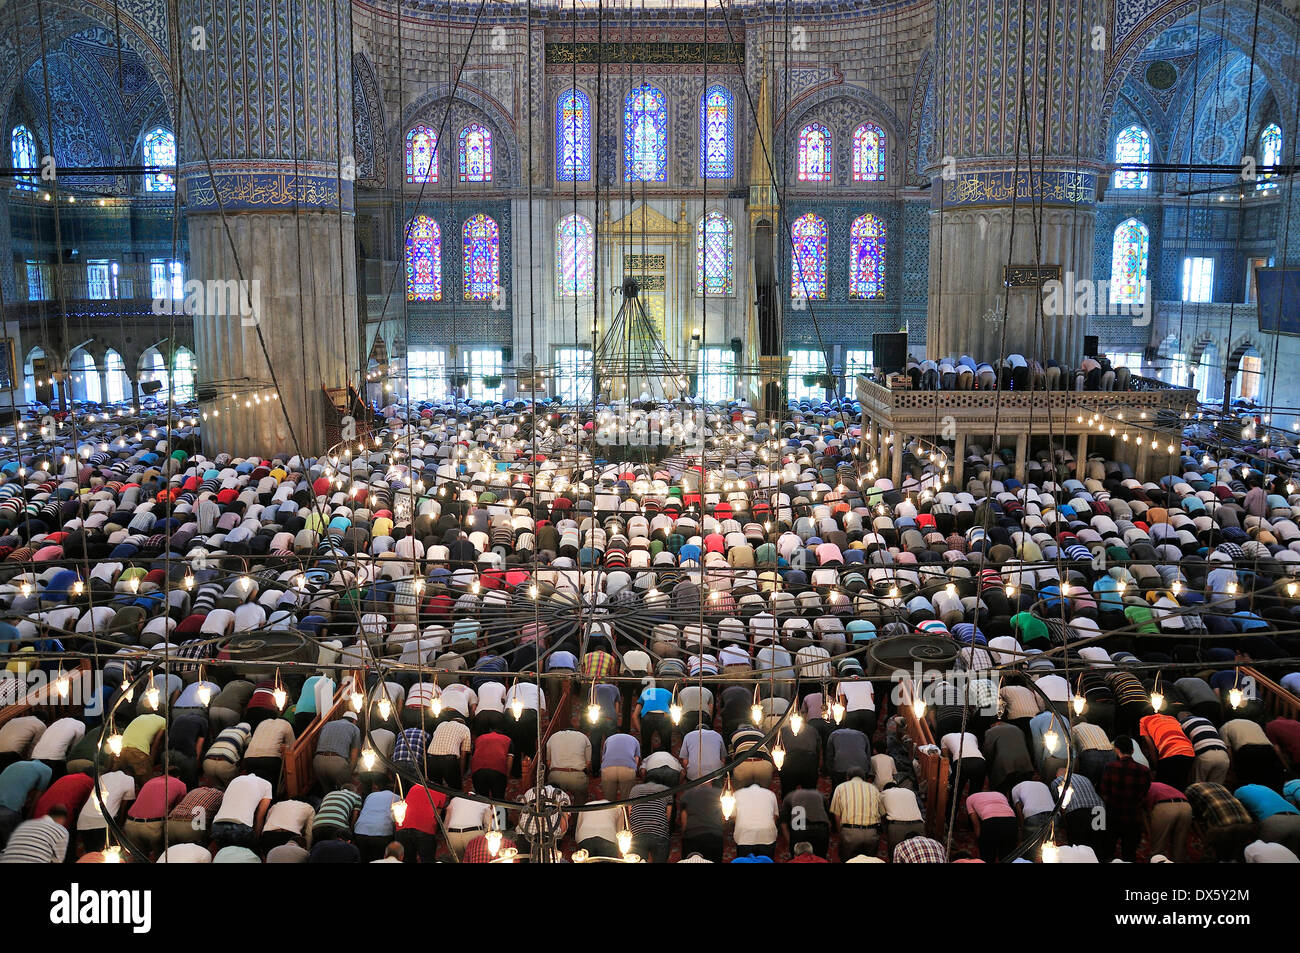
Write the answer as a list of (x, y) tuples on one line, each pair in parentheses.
[(574, 250), (1270, 153), (482, 250), (715, 248), (184, 365), (573, 137), (29, 374), (421, 155), (717, 133), (1128, 262), (868, 153), (476, 153), (152, 367), (22, 149), (867, 257), (423, 259), (160, 150), (808, 261), (645, 135), (815, 153), (115, 375), (85, 377), (1132, 145)]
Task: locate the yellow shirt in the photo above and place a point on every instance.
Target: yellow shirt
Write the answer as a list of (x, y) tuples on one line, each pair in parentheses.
[(142, 731)]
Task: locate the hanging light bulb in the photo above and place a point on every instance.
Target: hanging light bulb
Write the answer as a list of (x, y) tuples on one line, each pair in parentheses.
[(368, 758), (358, 700), (204, 694), (675, 712), (385, 708), (1176, 588), (1157, 701), (517, 707), (399, 811), (115, 744), (778, 756), (493, 838), (1050, 853), (624, 841), (1079, 703), (25, 589), (113, 855), (1051, 740), (756, 714), (727, 800), (1235, 697), (128, 690), (61, 686), (1011, 592), (837, 711), (435, 705), (188, 581), (1292, 589), (280, 696), (152, 695)]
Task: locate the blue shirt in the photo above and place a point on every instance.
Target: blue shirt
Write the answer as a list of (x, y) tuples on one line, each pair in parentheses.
[(1038, 726), (376, 817), (607, 697), (20, 779), (655, 699), (620, 751), (1292, 791), (561, 660), (189, 697), (1262, 802)]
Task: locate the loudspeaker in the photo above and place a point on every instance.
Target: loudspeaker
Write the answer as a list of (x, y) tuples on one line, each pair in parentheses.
[(736, 346), (1091, 345), (151, 387), (507, 355), (889, 351), (8, 418)]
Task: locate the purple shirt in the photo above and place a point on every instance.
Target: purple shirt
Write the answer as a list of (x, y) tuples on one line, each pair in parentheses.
[(620, 751)]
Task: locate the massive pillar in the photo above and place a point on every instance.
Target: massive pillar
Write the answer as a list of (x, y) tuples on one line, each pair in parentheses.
[(264, 154), (1018, 128)]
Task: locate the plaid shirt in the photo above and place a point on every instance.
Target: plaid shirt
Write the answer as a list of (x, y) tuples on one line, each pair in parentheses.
[(1123, 787), (1215, 806), (599, 665), (920, 850), (411, 744), (476, 851), (206, 801)]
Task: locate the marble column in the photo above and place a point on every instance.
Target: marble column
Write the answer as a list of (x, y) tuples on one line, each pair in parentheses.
[(994, 56), (267, 207)]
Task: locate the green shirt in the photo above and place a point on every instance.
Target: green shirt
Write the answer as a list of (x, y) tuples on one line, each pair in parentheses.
[(142, 731)]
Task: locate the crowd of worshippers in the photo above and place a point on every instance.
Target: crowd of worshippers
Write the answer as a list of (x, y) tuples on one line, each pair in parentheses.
[(1016, 373), (783, 570)]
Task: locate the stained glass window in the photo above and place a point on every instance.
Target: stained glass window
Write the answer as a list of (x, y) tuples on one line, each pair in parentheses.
[(645, 135), (869, 153), (814, 153), (475, 153), (573, 137), (717, 134), (715, 245), (421, 155), (423, 259), (808, 262), (1128, 262), (160, 150), (867, 257), (482, 249), (1133, 145), (1270, 153), (22, 148), (574, 249)]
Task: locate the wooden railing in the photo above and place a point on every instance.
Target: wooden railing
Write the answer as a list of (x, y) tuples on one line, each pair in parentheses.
[(933, 767), (298, 773), (559, 721), (39, 698), (1277, 701)]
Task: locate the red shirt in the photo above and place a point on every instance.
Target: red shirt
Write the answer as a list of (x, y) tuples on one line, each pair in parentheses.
[(1285, 733), (491, 753), (156, 799), (422, 806), (809, 859), (71, 791)]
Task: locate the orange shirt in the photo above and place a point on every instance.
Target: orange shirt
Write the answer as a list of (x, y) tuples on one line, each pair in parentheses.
[(1167, 735)]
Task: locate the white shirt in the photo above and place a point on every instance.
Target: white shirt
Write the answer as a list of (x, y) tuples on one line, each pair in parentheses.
[(604, 824), (57, 739), (243, 795), (492, 696), (114, 787), (1076, 854), (459, 697), (1262, 852), (858, 695), (185, 854), (957, 745), (1033, 797), (756, 811), (900, 804), (882, 769), (1054, 687), (464, 812), (526, 692), (293, 816)]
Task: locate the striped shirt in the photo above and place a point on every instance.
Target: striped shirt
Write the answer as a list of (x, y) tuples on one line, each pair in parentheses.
[(1089, 737), (648, 815), (230, 744), (1127, 688), (1020, 702), (1080, 795), (856, 802), (42, 841), (1203, 735), (450, 738), (336, 810)]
